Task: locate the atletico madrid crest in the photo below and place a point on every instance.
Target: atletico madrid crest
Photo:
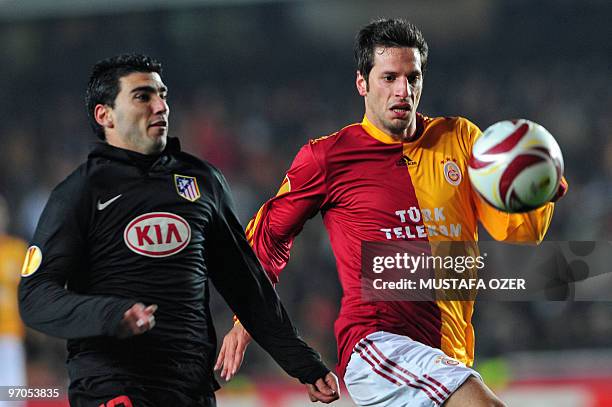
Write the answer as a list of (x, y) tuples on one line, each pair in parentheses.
[(187, 187)]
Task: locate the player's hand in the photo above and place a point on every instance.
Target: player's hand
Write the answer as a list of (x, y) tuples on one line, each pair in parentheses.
[(325, 390), (232, 351), (561, 191), (137, 320)]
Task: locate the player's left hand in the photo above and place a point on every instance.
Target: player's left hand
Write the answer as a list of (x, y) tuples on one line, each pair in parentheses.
[(136, 320), (232, 351), (325, 389)]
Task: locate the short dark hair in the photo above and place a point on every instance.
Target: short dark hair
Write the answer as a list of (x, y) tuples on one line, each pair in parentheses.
[(386, 32), (103, 85)]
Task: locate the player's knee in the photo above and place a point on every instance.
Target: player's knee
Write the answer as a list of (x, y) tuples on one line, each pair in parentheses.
[(490, 399), (495, 402), (487, 401)]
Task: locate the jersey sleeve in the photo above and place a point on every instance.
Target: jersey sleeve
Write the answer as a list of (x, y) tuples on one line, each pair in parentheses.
[(517, 227), (45, 303), (302, 194), (241, 281)]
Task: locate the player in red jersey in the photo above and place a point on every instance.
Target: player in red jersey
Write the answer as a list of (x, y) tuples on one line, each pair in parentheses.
[(396, 176)]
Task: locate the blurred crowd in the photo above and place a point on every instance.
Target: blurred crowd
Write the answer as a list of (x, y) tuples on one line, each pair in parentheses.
[(247, 89)]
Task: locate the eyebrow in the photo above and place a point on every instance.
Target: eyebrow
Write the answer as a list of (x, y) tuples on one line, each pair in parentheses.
[(416, 71), (150, 89)]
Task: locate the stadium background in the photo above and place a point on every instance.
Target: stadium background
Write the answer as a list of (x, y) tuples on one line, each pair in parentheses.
[(251, 81)]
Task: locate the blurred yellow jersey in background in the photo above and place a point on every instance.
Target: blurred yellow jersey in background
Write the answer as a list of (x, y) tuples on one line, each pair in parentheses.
[(12, 251)]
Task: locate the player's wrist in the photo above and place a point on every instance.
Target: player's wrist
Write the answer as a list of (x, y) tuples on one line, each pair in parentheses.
[(318, 372), (114, 325), (561, 191)]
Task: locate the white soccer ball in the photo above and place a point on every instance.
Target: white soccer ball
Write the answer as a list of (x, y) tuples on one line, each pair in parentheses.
[(516, 165)]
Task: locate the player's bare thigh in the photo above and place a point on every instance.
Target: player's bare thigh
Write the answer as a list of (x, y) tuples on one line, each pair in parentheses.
[(473, 393)]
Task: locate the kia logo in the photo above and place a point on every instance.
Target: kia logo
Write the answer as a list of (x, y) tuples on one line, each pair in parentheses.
[(157, 234)]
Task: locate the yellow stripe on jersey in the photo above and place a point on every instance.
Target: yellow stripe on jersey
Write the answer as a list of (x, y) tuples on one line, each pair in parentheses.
[(285, 186), (252, 225), (452, 209)]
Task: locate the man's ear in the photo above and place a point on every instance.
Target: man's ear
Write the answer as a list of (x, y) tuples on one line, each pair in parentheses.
[(362, 84), (104, 116)]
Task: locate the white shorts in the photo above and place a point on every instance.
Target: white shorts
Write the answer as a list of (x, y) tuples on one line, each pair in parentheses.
[(12, 355), (386, 369)]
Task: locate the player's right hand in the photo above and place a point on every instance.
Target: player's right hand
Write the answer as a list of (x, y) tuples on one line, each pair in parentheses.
[(232, 351), (325, 389), (137, 320)]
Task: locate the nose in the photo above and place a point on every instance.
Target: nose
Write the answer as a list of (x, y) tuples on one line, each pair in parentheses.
[(159, 105), (402, 88)]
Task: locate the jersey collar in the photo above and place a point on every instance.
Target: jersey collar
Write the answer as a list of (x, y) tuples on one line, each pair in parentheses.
[(105, 150), (383, 137)]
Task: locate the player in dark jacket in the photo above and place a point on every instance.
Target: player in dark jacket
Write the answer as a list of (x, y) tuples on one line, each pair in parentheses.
[(123, 253)]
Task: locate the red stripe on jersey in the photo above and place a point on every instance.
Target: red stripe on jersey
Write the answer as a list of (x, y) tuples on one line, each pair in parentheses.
[(366, 190)]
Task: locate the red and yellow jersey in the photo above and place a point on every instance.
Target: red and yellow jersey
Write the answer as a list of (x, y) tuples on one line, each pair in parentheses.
[(370, 187), (11, 259)]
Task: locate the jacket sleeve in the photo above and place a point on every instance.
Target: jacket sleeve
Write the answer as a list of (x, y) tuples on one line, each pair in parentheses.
[(239, 278), (59, 251), (273, 229)]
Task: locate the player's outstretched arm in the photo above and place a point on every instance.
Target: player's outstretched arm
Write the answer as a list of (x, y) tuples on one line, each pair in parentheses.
[(241, 281), (58, 252), (231, 355), (232, 351)]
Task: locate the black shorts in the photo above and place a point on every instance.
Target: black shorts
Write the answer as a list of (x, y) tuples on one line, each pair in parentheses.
[(124, 391)]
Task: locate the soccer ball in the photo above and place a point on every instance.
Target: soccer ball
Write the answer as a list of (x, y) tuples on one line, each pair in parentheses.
[(516, 165)]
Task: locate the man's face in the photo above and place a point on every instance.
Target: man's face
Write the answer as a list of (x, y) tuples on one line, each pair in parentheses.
[(139, 120), (393, 90)]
